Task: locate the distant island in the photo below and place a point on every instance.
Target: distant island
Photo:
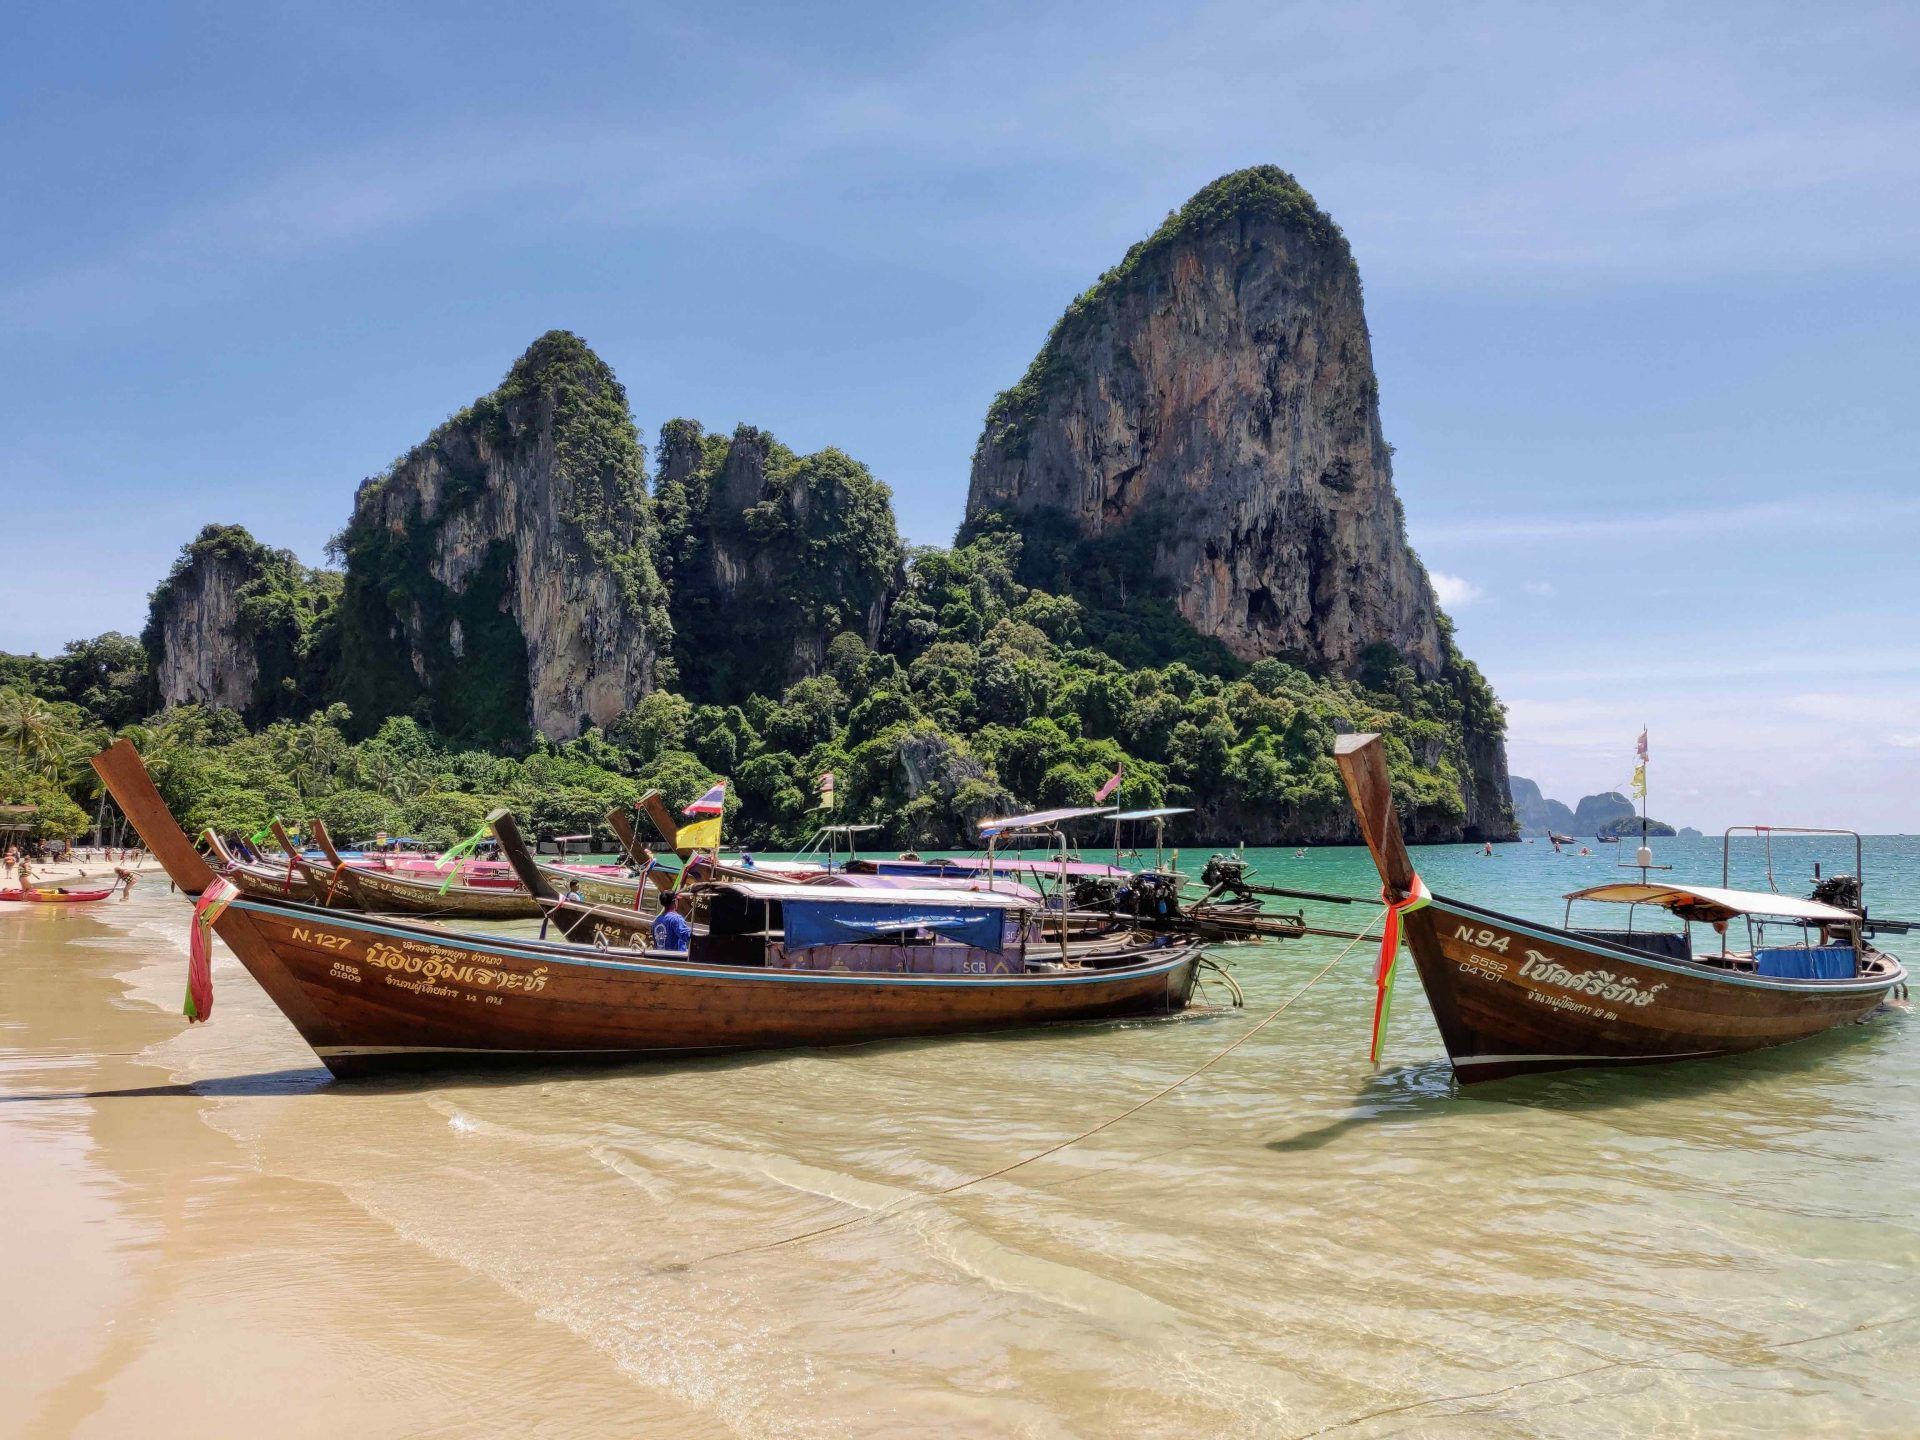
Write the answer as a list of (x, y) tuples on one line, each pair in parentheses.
[(1606, 815), (1183, 563)]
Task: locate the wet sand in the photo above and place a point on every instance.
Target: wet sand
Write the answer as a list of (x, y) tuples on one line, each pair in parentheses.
[(217, 1240)]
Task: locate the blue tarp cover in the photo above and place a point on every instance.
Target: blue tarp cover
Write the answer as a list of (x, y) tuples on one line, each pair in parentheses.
[(1831, 962), (822, 922)]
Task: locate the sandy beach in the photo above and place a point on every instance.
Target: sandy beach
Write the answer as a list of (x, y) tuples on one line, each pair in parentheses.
[(222, 1241)]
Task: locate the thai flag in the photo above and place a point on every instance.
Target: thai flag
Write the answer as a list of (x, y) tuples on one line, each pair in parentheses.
[(1641, 747), (714, 802)]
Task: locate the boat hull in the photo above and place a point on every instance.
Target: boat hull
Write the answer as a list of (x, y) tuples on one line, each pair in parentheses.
[(614, 890), (1513, 998), (270, 884), (371, 995), (388, 894), (52, 897)]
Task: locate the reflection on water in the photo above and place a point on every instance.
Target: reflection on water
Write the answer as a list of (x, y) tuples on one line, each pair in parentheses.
[(1293, 1244)]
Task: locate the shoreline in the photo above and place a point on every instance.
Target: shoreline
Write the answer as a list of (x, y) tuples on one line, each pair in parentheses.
[(184, 1289)]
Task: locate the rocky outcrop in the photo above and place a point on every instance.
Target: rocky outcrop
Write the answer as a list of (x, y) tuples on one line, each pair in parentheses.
[(1215, 391), (500, 574), (769, 555), (1628, 827), (1595, 814), (1534, 813), (193, 625), (239, 625), (1204, 425)]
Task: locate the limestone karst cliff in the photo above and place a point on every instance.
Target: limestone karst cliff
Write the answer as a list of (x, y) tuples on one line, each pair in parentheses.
[(239, 625), (1183, 560), (500, 574), (1204, 425), (1534, 813), (1215, 392), (768, 555)]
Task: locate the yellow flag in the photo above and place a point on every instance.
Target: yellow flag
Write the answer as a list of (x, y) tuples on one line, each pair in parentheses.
[(701, 835), (1639, 783)]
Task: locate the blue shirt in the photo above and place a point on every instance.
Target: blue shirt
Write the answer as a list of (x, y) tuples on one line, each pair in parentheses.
[(671, 931)]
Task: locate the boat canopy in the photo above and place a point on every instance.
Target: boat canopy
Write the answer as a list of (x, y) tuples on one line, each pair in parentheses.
[(1041, 818), (965, 884), (1711, 903), (879, 898), (1153, 814)]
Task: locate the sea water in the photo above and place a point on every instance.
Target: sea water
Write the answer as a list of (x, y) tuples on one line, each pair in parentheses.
[(215, 1236)]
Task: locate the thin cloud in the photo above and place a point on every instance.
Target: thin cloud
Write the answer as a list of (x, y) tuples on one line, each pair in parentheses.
[(1690, 525)]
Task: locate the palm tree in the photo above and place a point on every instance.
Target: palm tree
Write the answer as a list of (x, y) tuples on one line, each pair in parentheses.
[(33, 734)]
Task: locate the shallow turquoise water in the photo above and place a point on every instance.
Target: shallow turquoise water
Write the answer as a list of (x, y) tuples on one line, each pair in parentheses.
[(1291, 1244)]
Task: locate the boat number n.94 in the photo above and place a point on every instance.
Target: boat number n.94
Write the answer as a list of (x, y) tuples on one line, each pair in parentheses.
[(1483, 939)]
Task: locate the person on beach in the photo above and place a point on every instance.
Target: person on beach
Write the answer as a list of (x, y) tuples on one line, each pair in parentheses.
[(671, 931)]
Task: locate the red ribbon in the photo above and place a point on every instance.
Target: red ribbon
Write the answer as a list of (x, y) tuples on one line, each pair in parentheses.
[(1388, 963), (207, 909)]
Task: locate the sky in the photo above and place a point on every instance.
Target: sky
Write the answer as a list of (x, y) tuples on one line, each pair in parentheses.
[(1641, 282)]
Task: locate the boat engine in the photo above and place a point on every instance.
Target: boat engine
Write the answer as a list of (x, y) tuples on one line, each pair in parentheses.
[(1227, 875)]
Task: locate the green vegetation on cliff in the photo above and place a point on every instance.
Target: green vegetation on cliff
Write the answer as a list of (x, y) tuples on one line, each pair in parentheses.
[(285, 615), (983, 696), (456, 659), (772, 554)]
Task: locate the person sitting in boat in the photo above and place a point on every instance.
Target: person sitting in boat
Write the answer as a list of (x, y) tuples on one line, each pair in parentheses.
[(573, 895), (671, 931)]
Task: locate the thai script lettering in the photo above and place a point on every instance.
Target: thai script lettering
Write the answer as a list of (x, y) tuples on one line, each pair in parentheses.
[(436, 962), (1601, 984)]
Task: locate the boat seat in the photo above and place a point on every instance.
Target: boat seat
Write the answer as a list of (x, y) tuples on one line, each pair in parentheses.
[(1663, 945), (1791, 962)]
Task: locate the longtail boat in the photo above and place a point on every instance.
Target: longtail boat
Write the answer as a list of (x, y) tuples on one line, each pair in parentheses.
[(372, 994), (280, 882), (1514, 997), (388, 893)]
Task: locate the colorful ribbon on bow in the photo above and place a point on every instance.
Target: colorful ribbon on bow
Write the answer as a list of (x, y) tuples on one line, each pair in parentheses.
[(451, 859), (207, 909), (1389, 963)]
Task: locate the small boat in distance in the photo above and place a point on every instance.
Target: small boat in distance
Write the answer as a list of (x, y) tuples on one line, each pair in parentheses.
[(56, 895), (1513, 997)]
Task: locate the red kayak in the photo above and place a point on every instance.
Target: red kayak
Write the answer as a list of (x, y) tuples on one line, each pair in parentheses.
[(56, 897)]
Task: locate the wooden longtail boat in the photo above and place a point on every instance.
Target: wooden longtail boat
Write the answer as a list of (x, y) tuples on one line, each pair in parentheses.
[(279, 882), (388, 893), (326, 886), (1513, 997), (372, 994)]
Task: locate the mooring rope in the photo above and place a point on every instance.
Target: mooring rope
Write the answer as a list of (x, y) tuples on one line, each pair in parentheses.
[(906, 1202)]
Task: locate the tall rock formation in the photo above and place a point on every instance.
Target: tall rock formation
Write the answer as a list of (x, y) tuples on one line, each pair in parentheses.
[(768, 556), (1204, 424), (500, 574), (1597, 814), (239, 625), (1534, 813), (1215, 392)]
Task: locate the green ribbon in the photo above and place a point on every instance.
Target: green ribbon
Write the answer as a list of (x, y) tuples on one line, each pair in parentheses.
[(450, 860)]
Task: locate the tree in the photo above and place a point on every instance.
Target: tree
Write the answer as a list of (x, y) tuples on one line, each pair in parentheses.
[(33, 736)]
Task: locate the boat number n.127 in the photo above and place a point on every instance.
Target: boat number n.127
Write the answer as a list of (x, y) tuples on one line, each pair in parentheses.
[(1483, 939)]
